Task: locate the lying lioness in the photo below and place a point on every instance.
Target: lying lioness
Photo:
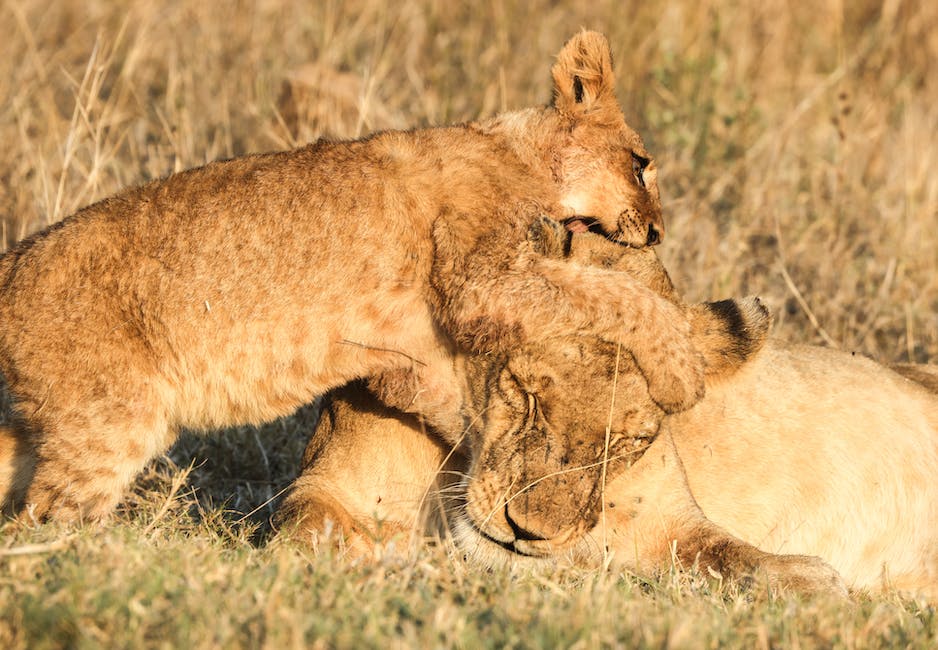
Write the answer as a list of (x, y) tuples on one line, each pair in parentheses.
[(236, 292), (802, 450)]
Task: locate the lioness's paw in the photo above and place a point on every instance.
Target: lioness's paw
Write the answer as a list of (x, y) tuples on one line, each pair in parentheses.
[(804, 574), (315, 519)]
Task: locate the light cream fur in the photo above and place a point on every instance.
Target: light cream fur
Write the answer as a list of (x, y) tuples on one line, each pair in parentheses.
[(236, 292), (840, 458)]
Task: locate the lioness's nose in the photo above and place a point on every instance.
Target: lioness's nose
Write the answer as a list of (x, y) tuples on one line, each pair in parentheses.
[(521, 528), (655, 235)]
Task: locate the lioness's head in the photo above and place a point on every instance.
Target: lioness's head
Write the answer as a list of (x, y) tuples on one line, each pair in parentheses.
[(539, 447), (542, 425), (554, 420), (609, 182)]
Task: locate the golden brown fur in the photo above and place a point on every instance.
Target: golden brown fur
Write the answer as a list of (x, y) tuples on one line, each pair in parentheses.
[(235, 292), (800, 451)]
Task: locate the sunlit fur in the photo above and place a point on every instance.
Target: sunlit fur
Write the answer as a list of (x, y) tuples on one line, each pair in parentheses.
[(235, 292)]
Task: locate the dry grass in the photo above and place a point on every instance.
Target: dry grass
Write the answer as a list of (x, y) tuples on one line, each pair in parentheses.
[(796, 144)]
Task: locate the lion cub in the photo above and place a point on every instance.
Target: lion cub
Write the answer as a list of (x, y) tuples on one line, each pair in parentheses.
[(236, 292)]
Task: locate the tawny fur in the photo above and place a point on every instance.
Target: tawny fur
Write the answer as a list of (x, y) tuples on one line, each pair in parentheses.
[(800, 450), (236, 292)]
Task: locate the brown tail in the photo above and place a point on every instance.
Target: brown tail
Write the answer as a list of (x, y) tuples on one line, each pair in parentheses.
[(17, 464)]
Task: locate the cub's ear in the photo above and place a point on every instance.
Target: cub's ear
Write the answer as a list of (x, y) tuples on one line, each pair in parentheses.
[(584, 85), (728, 333)]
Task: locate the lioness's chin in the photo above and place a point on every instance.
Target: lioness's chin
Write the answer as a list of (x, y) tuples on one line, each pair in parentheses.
[(490, 554)]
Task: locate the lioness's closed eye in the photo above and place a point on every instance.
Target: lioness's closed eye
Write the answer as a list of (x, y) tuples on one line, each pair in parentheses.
[(236, 292)]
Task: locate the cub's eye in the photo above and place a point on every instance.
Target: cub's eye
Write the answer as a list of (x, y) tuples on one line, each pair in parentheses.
[(638, 168)]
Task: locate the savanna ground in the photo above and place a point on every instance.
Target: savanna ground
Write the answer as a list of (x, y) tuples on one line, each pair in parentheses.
[(797, 150)]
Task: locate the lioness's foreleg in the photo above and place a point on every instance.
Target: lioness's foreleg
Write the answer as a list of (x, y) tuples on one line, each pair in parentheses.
[(369, 474)]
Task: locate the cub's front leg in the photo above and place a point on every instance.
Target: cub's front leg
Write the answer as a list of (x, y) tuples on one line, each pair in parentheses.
[(490, 295)]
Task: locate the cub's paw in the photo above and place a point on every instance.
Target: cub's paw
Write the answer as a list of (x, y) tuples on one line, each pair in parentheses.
[(672, 366), (549, 237), (677, 382)]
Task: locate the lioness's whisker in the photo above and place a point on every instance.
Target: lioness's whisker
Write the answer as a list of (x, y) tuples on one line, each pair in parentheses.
[(501, 504), (446, 459), (573, 469), (454, 472)]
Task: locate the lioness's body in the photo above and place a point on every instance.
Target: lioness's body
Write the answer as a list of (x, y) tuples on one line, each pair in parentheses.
[(813, 451), (804, 451), (236, 292)]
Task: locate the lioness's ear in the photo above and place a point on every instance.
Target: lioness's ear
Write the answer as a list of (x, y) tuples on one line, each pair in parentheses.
[(584, 86), (728, 333)]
